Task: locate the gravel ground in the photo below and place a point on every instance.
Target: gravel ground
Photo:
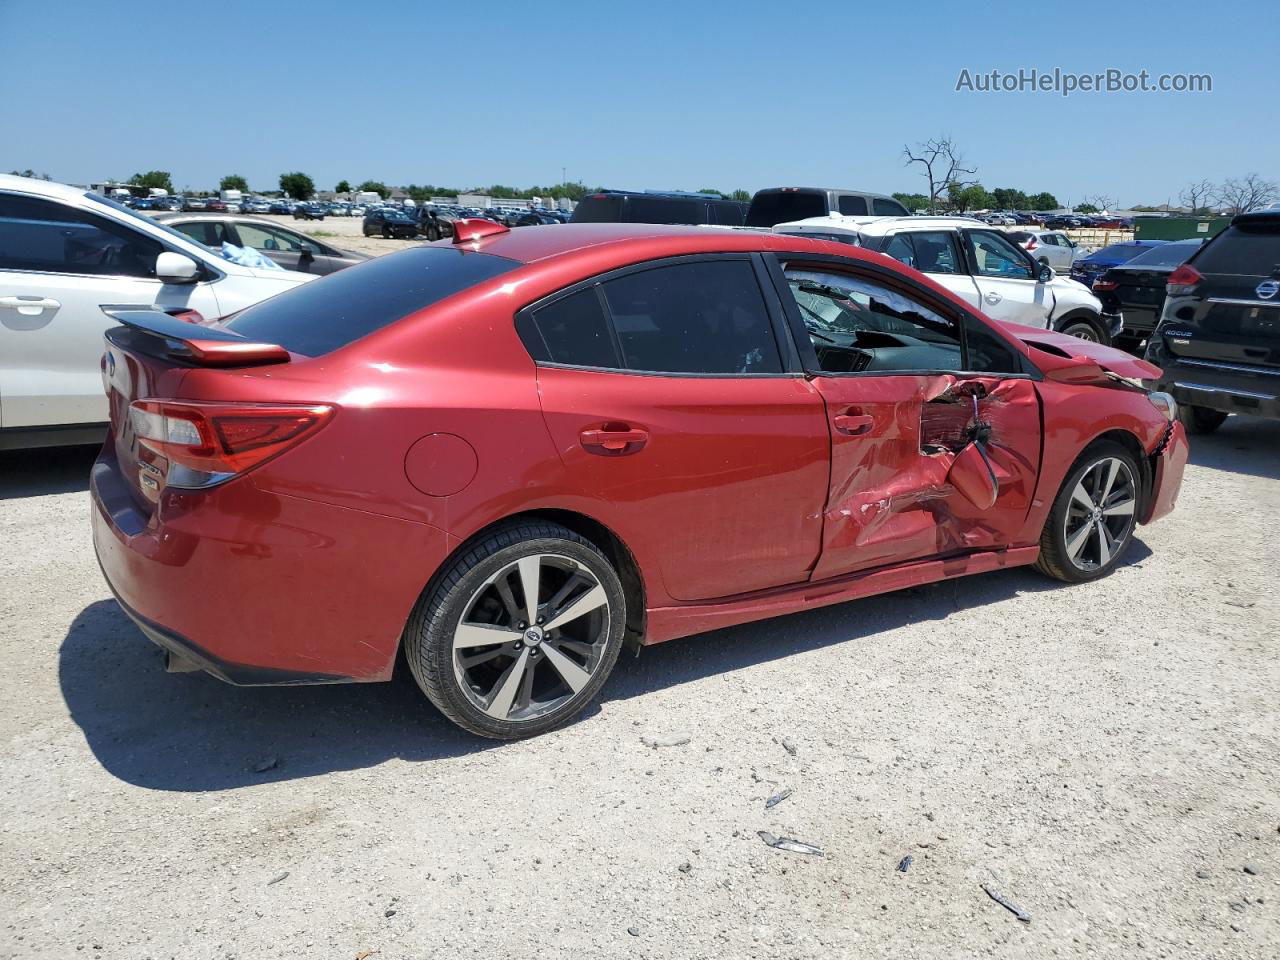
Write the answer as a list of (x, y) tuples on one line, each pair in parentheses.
[(1103, 756)]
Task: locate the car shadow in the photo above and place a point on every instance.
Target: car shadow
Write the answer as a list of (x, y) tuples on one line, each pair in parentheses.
[(190, 732), (1243, 444), (44, 471)]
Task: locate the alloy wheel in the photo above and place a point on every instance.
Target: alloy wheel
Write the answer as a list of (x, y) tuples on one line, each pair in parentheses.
[(1100, 513), (1082, 331), (531, 637)]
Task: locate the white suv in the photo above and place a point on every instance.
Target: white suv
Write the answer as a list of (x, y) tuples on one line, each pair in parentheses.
[(63, 254), (979, 264)]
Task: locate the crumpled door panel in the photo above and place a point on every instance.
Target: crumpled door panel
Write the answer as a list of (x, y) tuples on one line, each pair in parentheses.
[(913, 485)]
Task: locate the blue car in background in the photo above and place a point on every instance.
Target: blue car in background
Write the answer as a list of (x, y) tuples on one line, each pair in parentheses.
[(1090, 268)]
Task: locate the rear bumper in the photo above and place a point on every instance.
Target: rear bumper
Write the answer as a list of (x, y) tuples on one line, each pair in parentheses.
[(1227, 387), (261, 588)]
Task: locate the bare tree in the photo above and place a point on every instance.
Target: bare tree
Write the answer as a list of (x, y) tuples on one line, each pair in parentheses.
[(943, 165), (1100, 201), (1242, 194), (1196, 195)]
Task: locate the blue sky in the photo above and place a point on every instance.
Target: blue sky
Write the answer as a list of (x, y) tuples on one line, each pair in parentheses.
[(653, 95)]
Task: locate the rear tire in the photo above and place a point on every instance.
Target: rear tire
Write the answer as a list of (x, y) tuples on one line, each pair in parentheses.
[(542, 666), (1200, 419), (1092, 519)]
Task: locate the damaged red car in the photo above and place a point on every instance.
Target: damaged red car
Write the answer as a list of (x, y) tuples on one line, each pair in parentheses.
[(507, 455)]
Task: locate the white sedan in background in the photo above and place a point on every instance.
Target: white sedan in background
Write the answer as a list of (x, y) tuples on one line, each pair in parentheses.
[(63, 254)]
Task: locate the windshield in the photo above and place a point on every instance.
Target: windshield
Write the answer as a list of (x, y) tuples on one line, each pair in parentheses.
[(1166, 255)]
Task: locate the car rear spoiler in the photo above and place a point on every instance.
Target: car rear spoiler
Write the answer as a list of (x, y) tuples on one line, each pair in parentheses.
[(193, 343)]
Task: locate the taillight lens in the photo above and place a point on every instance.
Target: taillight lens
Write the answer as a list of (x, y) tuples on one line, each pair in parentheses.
[(1031, 244), (1104, 285), (1183, 281), (209, 443)]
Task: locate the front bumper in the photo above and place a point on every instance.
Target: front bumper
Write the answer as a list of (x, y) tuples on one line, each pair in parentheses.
[(262, 588), (1168, 464)]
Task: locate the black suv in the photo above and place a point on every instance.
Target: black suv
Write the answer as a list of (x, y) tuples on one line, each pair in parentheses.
[(1218, 342), (621, 206)]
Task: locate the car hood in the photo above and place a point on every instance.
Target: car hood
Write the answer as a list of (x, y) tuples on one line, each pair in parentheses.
[(1059, 353)]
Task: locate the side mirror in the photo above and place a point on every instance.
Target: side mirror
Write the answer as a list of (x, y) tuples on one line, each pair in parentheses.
[(1046, 274), (308, 251), (176, 268)]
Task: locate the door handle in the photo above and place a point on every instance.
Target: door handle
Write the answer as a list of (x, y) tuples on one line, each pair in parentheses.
[(855, 425), (992, 297), (611, 442), (30, 306)]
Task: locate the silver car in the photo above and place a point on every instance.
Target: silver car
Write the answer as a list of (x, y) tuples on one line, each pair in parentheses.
[(1052, 247)]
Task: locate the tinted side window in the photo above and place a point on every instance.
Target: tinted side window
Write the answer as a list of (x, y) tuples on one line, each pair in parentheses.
[(770, 208), (665, 210), (49, 237), (935, 252), (706, 317), (601, 208), (900, 248), (854, 206), (888, 208), (208, 232), (727, 213), (573, 330)]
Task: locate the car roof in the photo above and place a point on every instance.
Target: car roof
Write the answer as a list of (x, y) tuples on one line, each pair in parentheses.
[(649, 240), (45, 188), (874, 226)]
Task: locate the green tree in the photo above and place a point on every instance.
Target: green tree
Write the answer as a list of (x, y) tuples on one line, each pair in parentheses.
[(297, 185), (912, 201), (968, 197), (342, 187), (741, 195), (1043, 201), (233, 182), (381, 189), (31, 174), (1007, 198), (718, 193), (153, 178), (1086, 208)]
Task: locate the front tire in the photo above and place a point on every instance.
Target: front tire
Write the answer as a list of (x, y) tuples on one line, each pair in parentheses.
[(1092, 519), (1082, 328), (503, 665), (1200, 419)]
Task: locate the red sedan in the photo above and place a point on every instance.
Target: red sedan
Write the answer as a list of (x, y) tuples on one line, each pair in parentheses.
[(510, 454)]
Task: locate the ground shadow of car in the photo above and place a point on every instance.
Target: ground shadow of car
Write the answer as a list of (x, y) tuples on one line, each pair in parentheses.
[(190, 732), (44, 471), (1244, 445)]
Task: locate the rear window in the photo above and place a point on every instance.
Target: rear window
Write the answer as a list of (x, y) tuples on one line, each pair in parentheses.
[(853, 206), (318, 317), (1166, 255), (1252, 250), (768, 209)]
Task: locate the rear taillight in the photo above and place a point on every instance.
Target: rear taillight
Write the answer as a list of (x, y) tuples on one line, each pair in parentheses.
[(1183, 281), (1031, 245), (1104, 285), (209, 443)]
